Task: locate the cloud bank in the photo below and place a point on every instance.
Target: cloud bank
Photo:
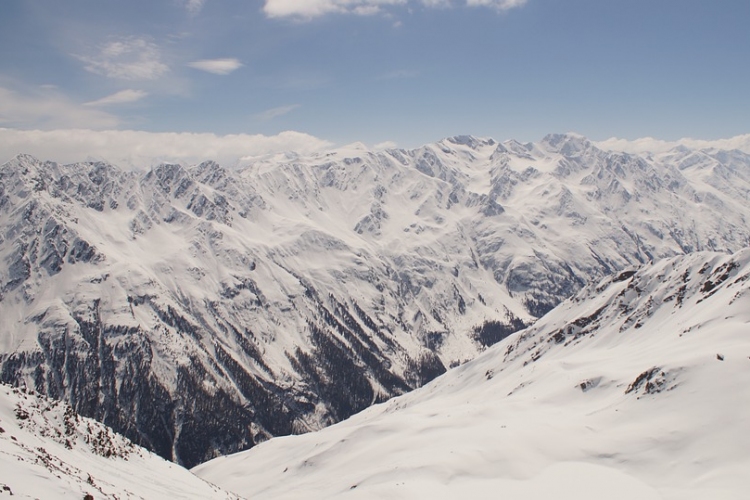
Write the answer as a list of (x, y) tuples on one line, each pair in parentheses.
[(138, 149)]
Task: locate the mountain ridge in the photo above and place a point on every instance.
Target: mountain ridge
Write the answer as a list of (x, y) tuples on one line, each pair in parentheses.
[(48, 451), (636, 387)]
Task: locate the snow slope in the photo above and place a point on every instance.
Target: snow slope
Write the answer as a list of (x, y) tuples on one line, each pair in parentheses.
[(48, 451), (199, 310), (637, 387)]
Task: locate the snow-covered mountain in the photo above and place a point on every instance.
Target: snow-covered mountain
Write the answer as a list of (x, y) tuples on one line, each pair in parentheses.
[(199, 310), (637, 387), (48, 451)]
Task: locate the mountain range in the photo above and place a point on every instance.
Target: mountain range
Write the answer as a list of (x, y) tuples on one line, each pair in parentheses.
[(199, 310)]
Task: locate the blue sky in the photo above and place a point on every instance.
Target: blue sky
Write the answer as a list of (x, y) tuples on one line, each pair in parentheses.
[(396, 71)]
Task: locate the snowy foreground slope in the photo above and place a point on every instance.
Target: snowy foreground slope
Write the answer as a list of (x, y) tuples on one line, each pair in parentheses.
[(49, 452), (201, 310), (638, 387)]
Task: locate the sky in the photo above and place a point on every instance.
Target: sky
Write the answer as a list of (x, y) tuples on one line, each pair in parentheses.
[(164, 78)]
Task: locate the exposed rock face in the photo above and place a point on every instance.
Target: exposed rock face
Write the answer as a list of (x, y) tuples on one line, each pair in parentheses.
[(201, 310)]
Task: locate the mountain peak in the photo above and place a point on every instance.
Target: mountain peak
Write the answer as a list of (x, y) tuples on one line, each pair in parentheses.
[(26, 158), (470, 141), (21, 163), (569, 144)]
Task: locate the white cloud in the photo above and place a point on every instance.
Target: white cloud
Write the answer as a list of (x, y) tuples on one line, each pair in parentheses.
[(217, 66), (309, 9), (436, 3), (46, 108), (272, 113), (138, 149), (194, 6), (121, 97), (385, 145), (496, 4), (130, 58), (651, 145)]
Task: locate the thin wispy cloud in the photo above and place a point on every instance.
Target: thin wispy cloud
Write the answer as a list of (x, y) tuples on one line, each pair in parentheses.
[(272, 113), (47, 108), (129, 58), (121, 97), (496, 4), (309, 9), (436, 3), (193, 6), (217, 66)]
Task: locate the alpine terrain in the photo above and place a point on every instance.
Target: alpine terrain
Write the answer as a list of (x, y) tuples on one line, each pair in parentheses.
[(637, 387), (48, 451), (201, 310)]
